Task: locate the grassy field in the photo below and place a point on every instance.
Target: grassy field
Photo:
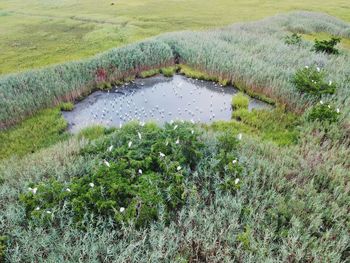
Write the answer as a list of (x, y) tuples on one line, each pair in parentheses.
[(36, 33)]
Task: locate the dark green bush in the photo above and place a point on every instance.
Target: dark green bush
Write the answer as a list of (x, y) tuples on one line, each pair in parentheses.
[(311, 80), (3, 240), (327, 46), (130, 181), (323, 113), (293, 39)]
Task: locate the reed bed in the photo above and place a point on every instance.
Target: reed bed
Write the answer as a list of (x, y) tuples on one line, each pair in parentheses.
[(253, 56)]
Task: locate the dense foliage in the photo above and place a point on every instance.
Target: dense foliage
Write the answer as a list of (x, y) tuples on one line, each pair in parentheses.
[(140, 170), (324, 113)]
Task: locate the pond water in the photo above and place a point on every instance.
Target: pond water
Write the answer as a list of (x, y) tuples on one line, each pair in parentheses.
[(157, 99)]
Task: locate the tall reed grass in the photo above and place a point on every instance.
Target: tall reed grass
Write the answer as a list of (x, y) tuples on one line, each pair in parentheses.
[(253, 56)]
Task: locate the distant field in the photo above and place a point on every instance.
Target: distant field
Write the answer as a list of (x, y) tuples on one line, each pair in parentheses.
[(35, 33)]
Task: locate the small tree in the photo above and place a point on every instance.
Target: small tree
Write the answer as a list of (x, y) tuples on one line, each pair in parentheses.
[(311, 80), (327, 46)]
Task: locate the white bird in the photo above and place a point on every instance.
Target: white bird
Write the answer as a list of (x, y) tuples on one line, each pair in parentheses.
[(234, 161), (33, 190), (338, 111), (48, 212), (122, 209), (110, 148), (106, 163), (177, 141), (192, 132), (37, 208), (178, 168), (91, 184), (139, 134), (161, 154), (140, 171), (68, 190), (237, 181), (129, 144), (318, 69)]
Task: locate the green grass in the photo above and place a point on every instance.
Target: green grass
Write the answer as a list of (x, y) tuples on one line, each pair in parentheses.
[(168, 71), (149, 73), (94, 132), (42, 130), (240, 101), (66, 106), (274, 125), (37, 33)]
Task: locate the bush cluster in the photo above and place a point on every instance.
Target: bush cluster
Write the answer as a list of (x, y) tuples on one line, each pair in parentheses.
[(139, 170), (311, 80)]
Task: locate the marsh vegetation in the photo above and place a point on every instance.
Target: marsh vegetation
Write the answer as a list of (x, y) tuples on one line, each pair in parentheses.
[(267, 185)]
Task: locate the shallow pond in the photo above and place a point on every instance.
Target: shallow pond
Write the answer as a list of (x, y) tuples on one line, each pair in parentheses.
[(159, 99)]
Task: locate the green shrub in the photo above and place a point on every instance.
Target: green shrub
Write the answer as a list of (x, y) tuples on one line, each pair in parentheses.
[(130, 182), (293, 39), (240, 101), (323, 113), (311, 80), (327, 46), (66, 106)]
